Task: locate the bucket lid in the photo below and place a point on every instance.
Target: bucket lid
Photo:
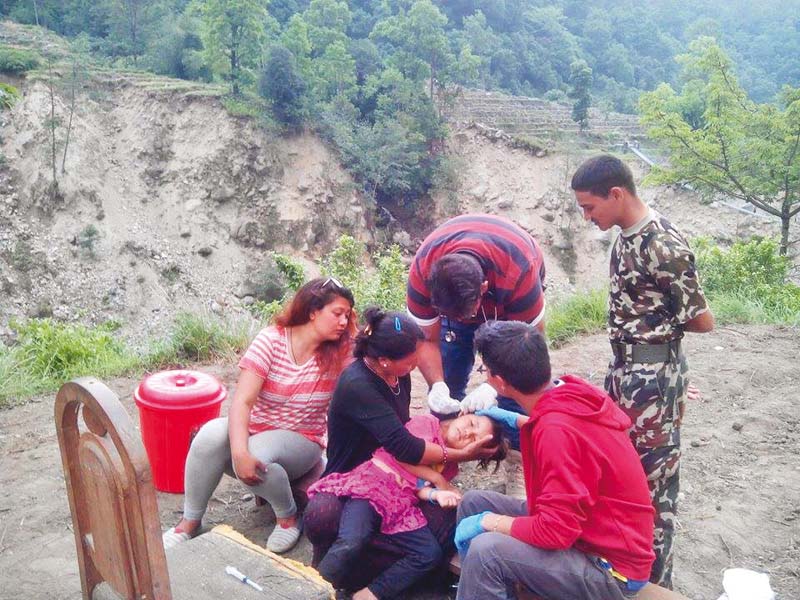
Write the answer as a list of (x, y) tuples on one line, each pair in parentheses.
[(179, 390)]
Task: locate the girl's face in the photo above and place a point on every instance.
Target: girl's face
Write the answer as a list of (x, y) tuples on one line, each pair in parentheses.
[(400, 367), (332, 319), (466, 429)]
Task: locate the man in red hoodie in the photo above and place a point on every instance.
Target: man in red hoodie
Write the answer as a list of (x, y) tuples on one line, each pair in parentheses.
[(585, 530)]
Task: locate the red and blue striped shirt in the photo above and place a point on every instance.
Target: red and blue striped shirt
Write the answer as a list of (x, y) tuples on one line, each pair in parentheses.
[(512, 264)]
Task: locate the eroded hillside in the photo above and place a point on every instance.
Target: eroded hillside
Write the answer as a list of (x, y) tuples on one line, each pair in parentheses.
[(169, 203)]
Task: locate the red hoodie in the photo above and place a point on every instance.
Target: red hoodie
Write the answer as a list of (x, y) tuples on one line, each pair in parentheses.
[(585, 485)]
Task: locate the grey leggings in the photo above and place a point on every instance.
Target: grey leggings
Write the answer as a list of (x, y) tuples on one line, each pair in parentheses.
[(288, 455)]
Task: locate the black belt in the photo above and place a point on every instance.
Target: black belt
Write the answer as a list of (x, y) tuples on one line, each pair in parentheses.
[(646, 353)]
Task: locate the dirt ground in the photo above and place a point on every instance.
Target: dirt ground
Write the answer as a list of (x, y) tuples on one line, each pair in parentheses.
[(740, 482)]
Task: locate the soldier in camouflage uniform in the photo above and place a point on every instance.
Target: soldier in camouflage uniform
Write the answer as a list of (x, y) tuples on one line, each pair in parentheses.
[(654, 297)]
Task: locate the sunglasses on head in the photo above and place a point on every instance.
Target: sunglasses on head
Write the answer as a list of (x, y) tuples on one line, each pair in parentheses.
[(334, 281)]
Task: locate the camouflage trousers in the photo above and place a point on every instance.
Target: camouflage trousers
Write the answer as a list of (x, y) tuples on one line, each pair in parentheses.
[(653, 396)]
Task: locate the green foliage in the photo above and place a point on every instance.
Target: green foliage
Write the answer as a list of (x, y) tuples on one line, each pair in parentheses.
[(265, 311), (748, 282), (17, 61), (22, 256), (724, 144), (292, 270), (386, 156), (385, 288), (234, 33), (8, 95), (576, 315), (175, 49)]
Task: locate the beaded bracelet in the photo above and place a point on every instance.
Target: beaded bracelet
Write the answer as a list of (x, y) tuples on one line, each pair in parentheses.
[(444, 453), (431, 496)]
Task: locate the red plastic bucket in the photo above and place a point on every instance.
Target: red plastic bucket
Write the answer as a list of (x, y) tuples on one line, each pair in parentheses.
[(173, 405)]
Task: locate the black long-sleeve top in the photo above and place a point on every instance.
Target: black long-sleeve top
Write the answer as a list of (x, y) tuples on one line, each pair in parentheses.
[(363, 415)]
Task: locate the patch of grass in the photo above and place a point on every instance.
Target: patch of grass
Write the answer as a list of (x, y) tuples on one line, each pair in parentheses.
[(738, 307), (49, 353), (243, 106), (8, 96), (580, 314), (205, 337)]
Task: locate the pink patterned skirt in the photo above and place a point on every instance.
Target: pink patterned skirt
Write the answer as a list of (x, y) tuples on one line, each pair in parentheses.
[(395, 503)]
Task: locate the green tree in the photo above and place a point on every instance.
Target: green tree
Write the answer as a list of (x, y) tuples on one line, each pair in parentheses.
[(282, 84), (327, 24), (739, 149), (417, 43), (234, 33), (581, 81), (295, 39), (335, 72)]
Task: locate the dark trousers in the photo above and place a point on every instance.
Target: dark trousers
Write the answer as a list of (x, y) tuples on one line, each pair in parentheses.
[(458, 358), (321, 523), (358, 524)]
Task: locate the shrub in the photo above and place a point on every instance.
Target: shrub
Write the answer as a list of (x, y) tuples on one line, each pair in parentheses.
[(17, 60), (386, 288), (292, 270), (86, 239), (22, 256)]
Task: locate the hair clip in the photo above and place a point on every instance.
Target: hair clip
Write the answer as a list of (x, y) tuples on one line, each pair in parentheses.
[(397, 324), (368, 330)]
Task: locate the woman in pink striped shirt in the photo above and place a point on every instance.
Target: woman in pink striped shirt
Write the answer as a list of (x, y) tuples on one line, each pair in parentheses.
[(275, 428)]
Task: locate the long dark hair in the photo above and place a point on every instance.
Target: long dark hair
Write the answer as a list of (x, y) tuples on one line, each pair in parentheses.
[(312, 296), (386, 333)]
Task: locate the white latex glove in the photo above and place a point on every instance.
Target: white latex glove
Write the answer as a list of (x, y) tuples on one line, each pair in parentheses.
[(482, 397), (439, 399)]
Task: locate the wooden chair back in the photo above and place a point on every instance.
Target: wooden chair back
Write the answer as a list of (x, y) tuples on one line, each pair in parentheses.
[(111, 494)]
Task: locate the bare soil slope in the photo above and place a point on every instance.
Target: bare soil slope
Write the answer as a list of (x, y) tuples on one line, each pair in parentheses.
[(740, 481)]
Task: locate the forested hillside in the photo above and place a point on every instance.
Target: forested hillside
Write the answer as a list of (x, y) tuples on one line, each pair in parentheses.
[(520, 46)]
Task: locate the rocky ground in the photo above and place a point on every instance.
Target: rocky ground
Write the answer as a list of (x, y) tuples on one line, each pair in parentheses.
[(740, 500)]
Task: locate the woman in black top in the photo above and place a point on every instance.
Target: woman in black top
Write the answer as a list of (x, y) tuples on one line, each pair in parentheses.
[(369, 409)]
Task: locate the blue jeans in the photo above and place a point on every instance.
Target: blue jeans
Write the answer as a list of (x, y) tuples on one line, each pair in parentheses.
[(458, 358)]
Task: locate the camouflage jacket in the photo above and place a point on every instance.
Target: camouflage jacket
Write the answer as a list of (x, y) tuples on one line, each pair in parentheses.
[(654, 285)]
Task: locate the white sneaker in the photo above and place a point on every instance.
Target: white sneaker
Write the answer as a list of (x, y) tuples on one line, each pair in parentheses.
[(283, 539)]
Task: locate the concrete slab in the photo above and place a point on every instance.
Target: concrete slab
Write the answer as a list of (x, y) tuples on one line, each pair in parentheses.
[(197, 571)]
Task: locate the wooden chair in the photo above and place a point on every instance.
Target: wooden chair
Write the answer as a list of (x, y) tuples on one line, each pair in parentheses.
[(115, 516), (111, 494)]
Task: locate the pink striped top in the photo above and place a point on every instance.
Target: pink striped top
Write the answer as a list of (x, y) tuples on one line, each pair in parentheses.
[(293, 397)]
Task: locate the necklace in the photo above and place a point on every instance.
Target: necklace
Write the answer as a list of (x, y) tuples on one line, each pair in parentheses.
[(395, 389)]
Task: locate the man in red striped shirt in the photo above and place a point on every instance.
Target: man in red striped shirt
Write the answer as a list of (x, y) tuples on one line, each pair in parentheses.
[(471, 269)]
